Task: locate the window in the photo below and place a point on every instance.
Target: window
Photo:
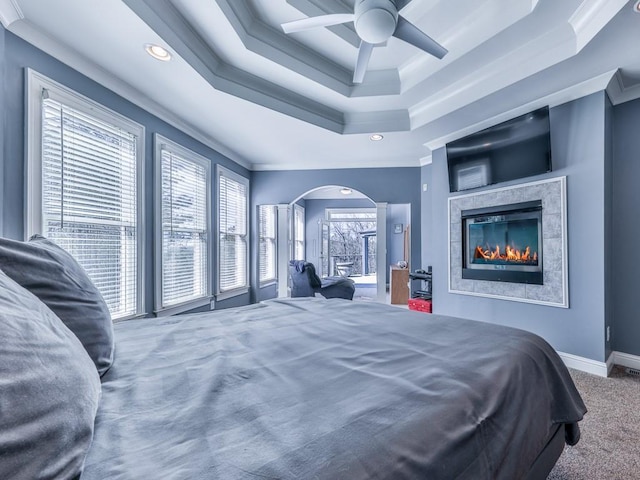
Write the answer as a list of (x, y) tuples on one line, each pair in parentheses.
[(84, 188), (298, 232), (182, 227), (233, 225), (352, 242), (267, 215), (353, 214)]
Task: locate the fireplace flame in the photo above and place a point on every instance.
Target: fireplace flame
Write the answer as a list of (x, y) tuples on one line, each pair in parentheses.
[(510, 254)]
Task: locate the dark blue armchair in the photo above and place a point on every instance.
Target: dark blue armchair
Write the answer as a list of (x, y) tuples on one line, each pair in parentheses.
[(306, 283)]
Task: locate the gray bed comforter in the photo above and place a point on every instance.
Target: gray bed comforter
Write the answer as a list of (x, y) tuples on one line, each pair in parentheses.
[(327, 389)]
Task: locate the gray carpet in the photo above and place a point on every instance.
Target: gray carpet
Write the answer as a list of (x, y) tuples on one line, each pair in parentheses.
[(610, 444)]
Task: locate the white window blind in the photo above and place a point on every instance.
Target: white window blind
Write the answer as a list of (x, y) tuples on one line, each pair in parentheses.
[(184, 236), (233, 194), (298, 232), (89, 199), (267, 215)]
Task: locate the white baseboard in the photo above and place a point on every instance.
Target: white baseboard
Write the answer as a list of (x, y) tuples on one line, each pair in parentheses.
[(601, 369), (585, 364), (610, 362), (626, 360)]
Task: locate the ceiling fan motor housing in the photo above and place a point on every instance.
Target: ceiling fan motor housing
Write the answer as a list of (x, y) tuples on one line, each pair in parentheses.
[(375, 20)]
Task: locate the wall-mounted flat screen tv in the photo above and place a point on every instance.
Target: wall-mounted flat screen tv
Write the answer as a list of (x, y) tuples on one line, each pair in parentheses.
[(514, 149)]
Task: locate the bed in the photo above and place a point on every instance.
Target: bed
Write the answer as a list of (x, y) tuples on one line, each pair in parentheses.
[(314, 388), (300, 388)]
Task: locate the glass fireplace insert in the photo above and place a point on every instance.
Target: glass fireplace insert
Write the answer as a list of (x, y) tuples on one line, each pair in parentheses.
[(503, 243)]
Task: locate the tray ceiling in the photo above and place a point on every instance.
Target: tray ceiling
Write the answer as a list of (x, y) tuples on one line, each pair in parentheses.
[(271, 100)]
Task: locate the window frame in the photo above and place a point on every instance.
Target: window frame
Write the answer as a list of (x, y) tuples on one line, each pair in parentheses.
[(164, 144), (224, 294), (298, 236), (270, 280), (369, 214), (36, 84)]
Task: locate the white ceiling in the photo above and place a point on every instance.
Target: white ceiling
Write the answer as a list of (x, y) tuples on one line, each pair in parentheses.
[(275, 101)]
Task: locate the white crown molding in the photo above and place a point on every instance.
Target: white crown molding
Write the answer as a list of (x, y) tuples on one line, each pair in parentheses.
[(10, 12), (428, 160), (75, 60), (618, 93), (589, 86), (313, 8), (548, 50), (591, 16), (337, 164), (270, 43), (585, 364), (420, 70), (171, 25)]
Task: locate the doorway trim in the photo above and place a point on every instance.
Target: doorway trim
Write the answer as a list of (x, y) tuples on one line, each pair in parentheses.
[(284, 242), (381, 252)]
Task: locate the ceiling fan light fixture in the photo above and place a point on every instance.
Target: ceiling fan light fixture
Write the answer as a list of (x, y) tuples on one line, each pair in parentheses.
[(346, 191), (375, 20), (158, 52), (376, 137)]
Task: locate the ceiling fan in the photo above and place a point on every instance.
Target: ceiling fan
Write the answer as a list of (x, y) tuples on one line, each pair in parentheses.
[(375, 22)]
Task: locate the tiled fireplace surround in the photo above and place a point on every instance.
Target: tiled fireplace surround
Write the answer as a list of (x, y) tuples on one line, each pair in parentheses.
[(554, 291)]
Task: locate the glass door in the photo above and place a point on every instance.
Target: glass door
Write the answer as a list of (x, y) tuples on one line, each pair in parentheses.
[(324, 233)]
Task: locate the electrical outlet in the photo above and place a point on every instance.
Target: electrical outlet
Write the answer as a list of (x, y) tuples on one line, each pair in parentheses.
[(608, 333), (213, 304)]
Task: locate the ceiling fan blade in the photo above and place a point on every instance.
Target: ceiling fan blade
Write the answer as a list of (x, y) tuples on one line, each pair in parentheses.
[(400, 4), (364, 54), (316, 22), (408, 32)]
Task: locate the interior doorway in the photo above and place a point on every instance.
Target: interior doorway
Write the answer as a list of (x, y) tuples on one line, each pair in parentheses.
[(344, 234), (349, 246)]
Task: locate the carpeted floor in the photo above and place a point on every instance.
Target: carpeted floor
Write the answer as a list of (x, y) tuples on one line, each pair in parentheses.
[(609, 448)]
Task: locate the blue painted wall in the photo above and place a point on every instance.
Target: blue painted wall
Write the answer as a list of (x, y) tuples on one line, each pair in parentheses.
[(578, 150), (397, 214), (609, 246), (18, 55), (426, 215), (626, 228), (595, 144), (3, 113)]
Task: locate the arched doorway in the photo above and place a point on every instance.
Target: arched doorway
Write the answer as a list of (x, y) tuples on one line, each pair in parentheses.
[(342, 232)]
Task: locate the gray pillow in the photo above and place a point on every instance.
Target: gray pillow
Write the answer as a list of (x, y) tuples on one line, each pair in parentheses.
[(49, 390), (56, 278)]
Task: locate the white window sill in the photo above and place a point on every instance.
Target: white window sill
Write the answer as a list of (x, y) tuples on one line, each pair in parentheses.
[(183, 307), (135, 316), (268, 283), (231, 293)]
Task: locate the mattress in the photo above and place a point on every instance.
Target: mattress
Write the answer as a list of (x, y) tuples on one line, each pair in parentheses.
[(324, 389)]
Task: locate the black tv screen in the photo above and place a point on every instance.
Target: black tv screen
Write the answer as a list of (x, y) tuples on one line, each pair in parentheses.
[(517, 148)]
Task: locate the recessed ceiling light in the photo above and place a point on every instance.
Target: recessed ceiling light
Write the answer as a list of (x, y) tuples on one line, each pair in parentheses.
[(636, 7), (158, 52), (346, 191), (376, 137)]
